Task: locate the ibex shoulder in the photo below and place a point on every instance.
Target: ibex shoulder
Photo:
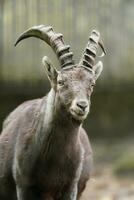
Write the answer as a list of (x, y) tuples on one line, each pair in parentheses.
[(22, 110)]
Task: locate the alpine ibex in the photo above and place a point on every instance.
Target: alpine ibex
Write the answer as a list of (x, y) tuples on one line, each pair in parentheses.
[(44, 151)]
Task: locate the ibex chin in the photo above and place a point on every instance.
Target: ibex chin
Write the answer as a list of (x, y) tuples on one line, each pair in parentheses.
[(44, 151)]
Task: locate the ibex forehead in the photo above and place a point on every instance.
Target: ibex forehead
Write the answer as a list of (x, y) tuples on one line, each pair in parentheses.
[(76, 73)]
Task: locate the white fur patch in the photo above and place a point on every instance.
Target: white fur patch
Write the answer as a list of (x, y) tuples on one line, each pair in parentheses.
[(47, 113), (49, 110)]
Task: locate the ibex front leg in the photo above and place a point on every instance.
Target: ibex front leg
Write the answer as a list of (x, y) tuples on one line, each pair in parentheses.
[(21, 186), (21, 192), (70, 193), (22, 166)]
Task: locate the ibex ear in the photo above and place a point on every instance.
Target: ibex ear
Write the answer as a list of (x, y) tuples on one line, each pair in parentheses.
[(98, 69), (50, 71)]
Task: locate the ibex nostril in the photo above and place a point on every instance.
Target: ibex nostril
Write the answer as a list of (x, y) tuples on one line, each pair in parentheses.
[(82, 105)]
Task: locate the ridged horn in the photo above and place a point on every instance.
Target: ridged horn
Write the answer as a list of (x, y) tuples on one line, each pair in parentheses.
[(88, 57), (54, 40)]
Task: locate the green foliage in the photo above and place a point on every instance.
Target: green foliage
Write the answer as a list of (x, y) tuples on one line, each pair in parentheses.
[(125, 165)]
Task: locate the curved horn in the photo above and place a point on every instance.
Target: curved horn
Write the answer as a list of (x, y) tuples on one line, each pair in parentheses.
[(53, 39), (88, 58)]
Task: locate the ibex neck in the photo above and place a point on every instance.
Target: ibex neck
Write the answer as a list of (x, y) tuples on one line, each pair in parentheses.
[(55, 122), (63, 117), (48, 110), (46, 118), (64, 120)]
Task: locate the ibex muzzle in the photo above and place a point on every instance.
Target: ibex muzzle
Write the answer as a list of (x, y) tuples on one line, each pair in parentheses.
[(79, 109)]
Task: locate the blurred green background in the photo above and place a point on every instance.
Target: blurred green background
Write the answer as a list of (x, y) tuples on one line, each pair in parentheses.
[(110, 124), (21, 73)]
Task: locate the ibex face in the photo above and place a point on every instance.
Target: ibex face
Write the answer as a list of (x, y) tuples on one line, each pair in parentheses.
[(74, 88), (74, 83)]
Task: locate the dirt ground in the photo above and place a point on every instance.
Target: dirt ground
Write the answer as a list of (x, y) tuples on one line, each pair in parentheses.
[(105, 184)]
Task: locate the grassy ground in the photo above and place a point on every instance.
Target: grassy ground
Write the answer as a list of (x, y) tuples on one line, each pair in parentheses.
[(113, 173)]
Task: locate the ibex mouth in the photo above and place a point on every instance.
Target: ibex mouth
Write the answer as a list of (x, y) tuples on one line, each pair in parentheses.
[(78, 115)]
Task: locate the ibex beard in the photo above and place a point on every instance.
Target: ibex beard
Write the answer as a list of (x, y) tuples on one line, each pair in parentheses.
[(45, 152)]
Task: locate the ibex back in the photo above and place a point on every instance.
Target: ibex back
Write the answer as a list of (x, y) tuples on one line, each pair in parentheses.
[(44, 151)]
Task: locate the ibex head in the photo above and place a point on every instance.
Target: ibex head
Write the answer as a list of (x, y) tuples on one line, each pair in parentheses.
[(74, 82)]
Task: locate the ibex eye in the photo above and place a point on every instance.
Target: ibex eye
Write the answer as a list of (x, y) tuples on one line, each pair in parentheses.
[(92, 85), (61, 82)]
